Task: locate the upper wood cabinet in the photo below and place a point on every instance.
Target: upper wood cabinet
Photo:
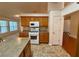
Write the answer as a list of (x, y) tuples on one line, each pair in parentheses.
[(43, 20), (25, 21)]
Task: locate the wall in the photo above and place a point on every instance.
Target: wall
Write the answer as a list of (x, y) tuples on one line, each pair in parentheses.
[(71, 24), (67, 25), (67, 3), (74, 24)]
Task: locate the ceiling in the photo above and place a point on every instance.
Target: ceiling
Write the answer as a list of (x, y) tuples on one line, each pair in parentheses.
[(12, 8), (8, 9)]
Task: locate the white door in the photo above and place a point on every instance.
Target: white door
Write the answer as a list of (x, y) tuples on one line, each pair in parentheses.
[(56, 23), (56, 29)]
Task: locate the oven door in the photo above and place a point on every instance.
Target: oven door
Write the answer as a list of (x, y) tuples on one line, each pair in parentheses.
[(33, 37)]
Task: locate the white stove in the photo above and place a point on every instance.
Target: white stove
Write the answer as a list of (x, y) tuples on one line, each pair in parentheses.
[(34, 36), (34, 32)]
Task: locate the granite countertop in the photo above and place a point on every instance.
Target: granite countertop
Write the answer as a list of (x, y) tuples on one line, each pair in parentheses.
[(12, 47)]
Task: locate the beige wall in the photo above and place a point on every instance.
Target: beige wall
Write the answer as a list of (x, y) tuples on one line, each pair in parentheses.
[(71, 24), (67, 3), (74, 24), (67, 25)]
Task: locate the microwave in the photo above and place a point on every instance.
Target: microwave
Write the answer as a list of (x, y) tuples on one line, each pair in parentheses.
[(34, 24)]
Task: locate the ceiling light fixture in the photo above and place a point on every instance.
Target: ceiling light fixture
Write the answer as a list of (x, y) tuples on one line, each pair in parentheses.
[(16, 15)]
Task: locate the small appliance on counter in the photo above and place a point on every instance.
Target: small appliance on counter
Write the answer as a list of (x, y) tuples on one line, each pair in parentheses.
[(34, 32)]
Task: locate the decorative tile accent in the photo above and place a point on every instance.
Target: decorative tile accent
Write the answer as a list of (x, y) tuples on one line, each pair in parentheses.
[(45, 50)]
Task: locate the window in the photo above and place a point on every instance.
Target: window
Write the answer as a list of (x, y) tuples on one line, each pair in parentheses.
[(7, 26), (13, 25), (3, 26)]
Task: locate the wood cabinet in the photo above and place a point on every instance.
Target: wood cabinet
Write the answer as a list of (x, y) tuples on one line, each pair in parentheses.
[(22, 54), (43, 20), (69, 44), (23, 34), (44, 37), (25, 21), (26, 51)]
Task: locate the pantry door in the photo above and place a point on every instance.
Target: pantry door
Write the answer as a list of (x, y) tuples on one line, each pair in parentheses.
[(57, 30), (56, 24)]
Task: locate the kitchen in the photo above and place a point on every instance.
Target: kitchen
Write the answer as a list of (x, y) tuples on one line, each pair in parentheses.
[(38, 25), (27, 28)]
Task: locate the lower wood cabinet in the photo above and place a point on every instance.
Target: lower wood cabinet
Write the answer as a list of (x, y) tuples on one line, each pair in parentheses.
[(23, 34), (22, 54), (44, 37), (69, 44), (26, 51)]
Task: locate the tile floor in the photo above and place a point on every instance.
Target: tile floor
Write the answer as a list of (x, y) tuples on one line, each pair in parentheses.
[(45, 50)]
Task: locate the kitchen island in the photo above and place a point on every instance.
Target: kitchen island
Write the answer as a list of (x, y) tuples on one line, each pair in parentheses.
[(19, 47)]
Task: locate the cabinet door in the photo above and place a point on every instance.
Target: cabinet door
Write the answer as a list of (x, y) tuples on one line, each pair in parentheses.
[(25, 21), (22, 54), (43, 21), (40, 21), (22, 21), (34, 19), (28, 50), (44, 37)]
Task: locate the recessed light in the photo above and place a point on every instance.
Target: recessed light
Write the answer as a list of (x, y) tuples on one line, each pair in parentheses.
[(16, 15)]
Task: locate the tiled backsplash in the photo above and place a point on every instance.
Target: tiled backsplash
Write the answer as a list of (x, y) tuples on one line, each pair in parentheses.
[(44, 29), (26, 29)]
